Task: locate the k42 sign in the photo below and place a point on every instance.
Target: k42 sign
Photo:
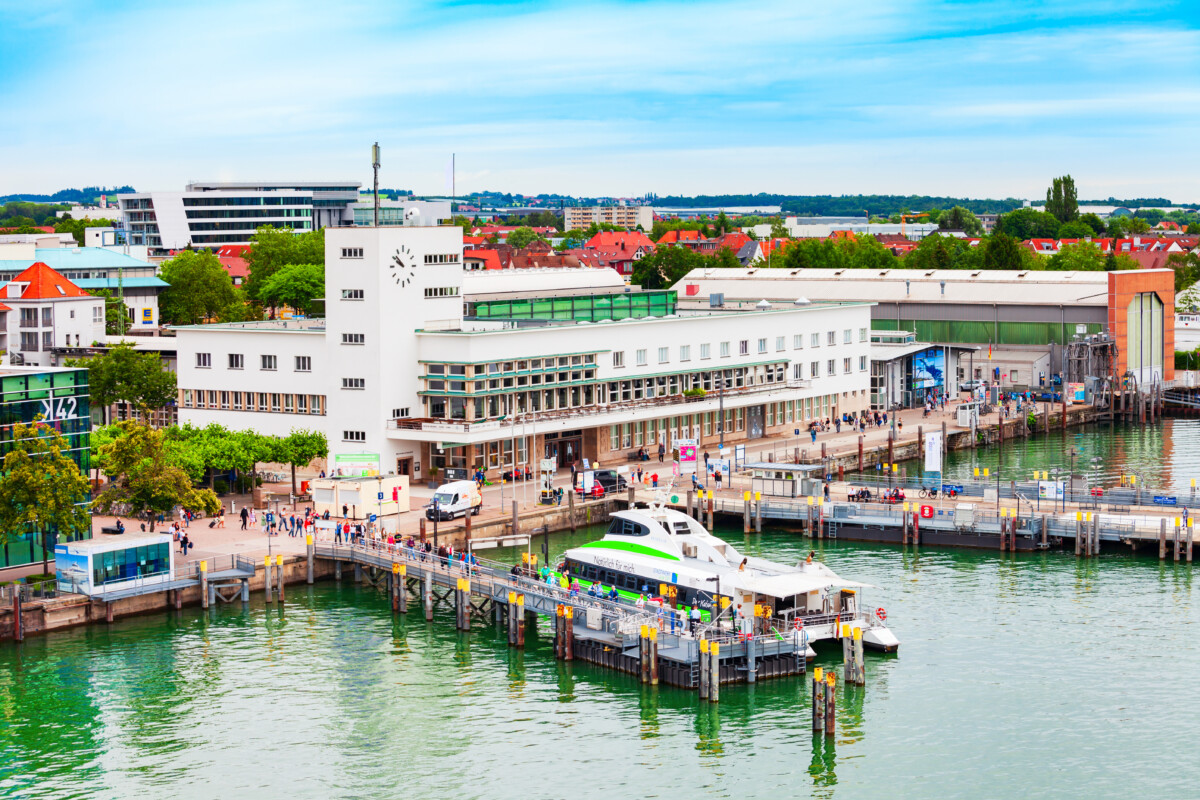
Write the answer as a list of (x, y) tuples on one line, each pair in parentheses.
[(60, 408)]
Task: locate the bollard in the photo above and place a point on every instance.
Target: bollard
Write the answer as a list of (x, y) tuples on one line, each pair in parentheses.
[(204, 584), (1162, 538), (859, 662), (521, 621), (1003, 531), (644, 653), (746, 512), (920, 438), (1176, 545), (758, 511), (689, 502), (279, 575), (704, 670), (714, 678), (904, 528), (818, 700), (571, 508), (311, 552), (1044, 542), (653, 641), (830, 704), (394, 587), (18, 620), (569, 642)]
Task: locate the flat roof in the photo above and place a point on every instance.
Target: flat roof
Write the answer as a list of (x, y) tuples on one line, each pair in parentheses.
[(787, 467), (65, 258), (118, 541), (261, 326)]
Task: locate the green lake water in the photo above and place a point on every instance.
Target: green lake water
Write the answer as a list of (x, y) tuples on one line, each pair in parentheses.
[(1019, 676)]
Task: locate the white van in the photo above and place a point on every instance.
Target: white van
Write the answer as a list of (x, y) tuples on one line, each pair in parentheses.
[(455, 499)]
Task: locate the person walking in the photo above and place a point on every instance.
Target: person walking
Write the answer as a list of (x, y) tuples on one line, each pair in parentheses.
[(662, 451), (245, 515)]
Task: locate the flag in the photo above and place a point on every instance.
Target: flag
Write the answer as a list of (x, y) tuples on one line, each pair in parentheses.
[(989, 351)]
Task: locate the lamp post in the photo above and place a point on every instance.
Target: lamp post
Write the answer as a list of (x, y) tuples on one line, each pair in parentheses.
[(721, 408), (436, 515), (379, 503)]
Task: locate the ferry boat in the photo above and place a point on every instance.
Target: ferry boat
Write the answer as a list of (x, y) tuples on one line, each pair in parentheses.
[(673, 557)]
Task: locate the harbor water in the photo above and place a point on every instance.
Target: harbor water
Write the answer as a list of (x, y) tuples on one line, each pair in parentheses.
[(1019, 676)]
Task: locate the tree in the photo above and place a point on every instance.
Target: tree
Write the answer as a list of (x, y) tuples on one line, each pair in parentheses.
[(1002, 251), (779, 229), (123, 374), (272, 248), (723, 223), (77, 227), (1119, 227), (944, 252), (298, 286), (665, 267), (42, 487), (523, 237), (142, 476), (1187, 269), (1094, 222), (1080, 257), (1028, 223), (1077, 229), (1061, 199), (299, 448), (724, 258), (960, 219), (200, 289)]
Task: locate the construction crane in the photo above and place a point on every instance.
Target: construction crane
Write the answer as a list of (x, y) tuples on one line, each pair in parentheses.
[(906, 217)]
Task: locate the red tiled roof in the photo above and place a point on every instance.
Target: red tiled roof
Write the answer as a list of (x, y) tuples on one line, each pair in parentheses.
[(1148, 260), (620, 240), (676, 236), (490, 258), (46, 284), (233, 259)]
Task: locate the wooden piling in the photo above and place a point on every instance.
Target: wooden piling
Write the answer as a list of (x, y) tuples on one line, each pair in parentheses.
[(710, 512), (1078, 535), (516, 522), (704, 670), (178, 598), (921, 439), (860, 664), (394, 582), (818, 700), (847, 653), (891, 450), (758, 512), (279, 576), (746, 513), (204, 584), (571, 507), (1003, 533), (644, 653), (1044, 532), (521, 621), (1162, 538), (916, 529), (860, 452), (1189, 544), (18, 620), (337, 571), (108, 612), (311, 553), (420, 528), (830, 706), (427, 592), (652, 654), (714, 678), (569, 641)]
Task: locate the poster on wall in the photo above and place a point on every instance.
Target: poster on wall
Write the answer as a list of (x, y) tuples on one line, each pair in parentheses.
[(1075, 393), (355, 465), (70, 569), (687, 454), (928, 368)]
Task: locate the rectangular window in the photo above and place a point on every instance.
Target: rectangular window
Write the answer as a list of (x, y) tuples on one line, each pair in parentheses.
[(262, 401), (780, 343), (288, 403), (847, 336), (798, 371), (862, 363), (831, 338), (441, 291), (354, 383), (815, 340), (301, 404), (744, 347), (724, 349), (399, 413), (798, 341), (203, 360), (269, 363), (303, 363), (685, 352), (316, 403), (862, 334), (705, 351), (829, 367), (237, 401), (814, 369), (47, 317), (354, 436), (846, 364), (236, 360), (618, 359), (641, 358), (664, 355), (352, 252), (352, 294), (97, 314), (47, 340), (354, 338)]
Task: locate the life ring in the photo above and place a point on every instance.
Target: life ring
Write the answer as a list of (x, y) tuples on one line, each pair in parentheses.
[(797, 624), (926, 512), (879, 612)]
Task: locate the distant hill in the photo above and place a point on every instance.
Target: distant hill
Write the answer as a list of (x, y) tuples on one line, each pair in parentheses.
[(88, 194)]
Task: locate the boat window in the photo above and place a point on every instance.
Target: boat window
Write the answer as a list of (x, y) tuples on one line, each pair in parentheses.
[(627, 527), (682, 527)]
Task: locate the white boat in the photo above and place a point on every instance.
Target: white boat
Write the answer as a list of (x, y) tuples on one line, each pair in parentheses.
[(672, 556)]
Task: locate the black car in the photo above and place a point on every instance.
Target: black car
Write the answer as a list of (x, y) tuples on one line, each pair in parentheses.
[(608, 479)]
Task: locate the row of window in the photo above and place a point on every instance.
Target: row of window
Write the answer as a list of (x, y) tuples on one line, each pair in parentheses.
[(650, 433), (267, 363), (271, 402), (441, 258), (255, 200), (249, 213), (352, 252), (744, 347), (814, 368), (441, 291), (499, 368)]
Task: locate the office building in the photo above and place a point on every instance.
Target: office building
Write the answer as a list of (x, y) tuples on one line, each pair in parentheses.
[(403, 212), (582, 217)]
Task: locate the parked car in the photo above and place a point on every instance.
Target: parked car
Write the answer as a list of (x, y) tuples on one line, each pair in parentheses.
[(969, 386), (456, 499), (607, 479)]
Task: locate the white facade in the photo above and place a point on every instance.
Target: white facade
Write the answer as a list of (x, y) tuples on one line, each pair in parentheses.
[(37, 326), (581, 217), (215, 214), (408, 379)]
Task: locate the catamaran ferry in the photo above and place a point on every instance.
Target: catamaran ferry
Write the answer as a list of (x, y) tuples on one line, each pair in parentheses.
[(669, 554)]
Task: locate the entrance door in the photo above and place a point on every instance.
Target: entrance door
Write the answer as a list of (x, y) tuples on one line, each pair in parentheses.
[(564, 451), (754, 422), (404, 466)]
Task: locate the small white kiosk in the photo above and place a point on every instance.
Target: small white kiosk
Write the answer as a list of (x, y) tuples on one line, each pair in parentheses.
[(93, 566), (786, 480), (360, 495)]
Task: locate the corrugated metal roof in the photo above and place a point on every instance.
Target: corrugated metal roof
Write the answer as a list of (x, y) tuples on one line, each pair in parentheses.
[(68, 258), (130, 283)]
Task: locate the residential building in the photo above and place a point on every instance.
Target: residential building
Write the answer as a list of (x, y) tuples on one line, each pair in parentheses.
[(630, 217), (215, 214), (419, 364), (60, 397), (403, 212), (44, 312)]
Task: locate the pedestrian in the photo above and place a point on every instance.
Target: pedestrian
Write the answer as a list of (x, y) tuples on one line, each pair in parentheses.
[(694, 619), (717, 477), (812, 430), (662, 451), (221, 518), (654, 480), (827, 492), (345, 511), (705, 462), (838, 424), (245, 515), (899, 425), (183, 544)]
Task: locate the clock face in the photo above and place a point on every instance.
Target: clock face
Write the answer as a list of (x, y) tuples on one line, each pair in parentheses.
[(403, 263)]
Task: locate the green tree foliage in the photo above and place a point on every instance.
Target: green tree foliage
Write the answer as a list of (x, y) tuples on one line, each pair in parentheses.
[(1062, 201), (42, 486), (1002, 251), (523, 237), (298, 286), (723, 224), (1080, 257), (1094, 222), (1152, 216), (1028, 223), (77, 227), (299, 448), (29, 213), (666, 266), (535, 219), (115, 320), (1077, 229), (958, 219), (273, 248), (661, 226), (779, 229), (125, 375), (142, 475), (945, 252), (724, 258), (1121, 227), (200, 289), (859, 252), (1187, 269)]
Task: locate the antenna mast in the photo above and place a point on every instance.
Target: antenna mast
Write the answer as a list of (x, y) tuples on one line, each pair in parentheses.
[(375, 168)]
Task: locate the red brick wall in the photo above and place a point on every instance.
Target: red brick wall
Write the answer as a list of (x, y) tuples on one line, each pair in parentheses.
[(1123, 285)]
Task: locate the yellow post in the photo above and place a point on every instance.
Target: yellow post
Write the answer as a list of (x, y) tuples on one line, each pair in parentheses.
[(308, 539), (704, 645), (745, 494), (977, 472), (811, 500), (820, 501), (985, 472), (204, 566), (906, 506), (758, 497)]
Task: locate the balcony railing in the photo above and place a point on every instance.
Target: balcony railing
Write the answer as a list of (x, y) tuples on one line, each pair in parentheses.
[(581, 415)]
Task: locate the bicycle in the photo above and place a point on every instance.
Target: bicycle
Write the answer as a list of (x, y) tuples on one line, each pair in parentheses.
[(931, 493)]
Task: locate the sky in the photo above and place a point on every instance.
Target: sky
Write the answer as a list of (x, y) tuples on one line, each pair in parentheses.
[(961, 98)]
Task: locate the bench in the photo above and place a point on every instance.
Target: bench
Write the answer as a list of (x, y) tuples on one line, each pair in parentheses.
[(110, 530)]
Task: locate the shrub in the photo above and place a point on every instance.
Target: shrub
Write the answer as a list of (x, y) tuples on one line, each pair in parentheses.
[(221, 486)]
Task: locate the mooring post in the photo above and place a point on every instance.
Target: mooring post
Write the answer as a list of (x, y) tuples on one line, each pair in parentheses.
[(466, 604), (245, 590), (689, 502), (428, 594), (704, 670), (916, 530), (421, 528), (711, 512), (267, 577), (516, 522), (751, 666), (1003, 531), (818, 700), (860, 452), (921, 439), (18, 621), (279, 575), (746, 511), (847, 653), (521, 621), (859, 661), (558, 632), (178, 599), (653, 654), (1162, 538), (945, 441), (830, 705), (1044, 541), (108, 612), (644, 653), (714, 679), (358, 572), (569, 640), (204, 584), (891, 452), (1078, 533), (311, 552), (629, 500), (571, 508), (758, 511), (337, 571), (1189, 544)]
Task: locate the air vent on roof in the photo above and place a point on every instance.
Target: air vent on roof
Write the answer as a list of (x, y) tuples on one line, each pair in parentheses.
[(801, 301), (763, 305)]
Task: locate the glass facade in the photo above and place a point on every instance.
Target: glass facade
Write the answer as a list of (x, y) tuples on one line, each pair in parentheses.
[(61, 398), (591, 307), (130, 563), (979, 331)]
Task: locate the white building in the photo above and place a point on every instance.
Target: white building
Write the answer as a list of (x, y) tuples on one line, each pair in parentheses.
[(581, 217), (213, 214), (403, 212), (396, 375), (43, 312)]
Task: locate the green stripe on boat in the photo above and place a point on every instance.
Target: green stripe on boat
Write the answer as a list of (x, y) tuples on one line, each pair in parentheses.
[(633, 547)]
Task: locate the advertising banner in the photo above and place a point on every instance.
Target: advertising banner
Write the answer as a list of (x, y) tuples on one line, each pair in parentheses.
[(933, 452)]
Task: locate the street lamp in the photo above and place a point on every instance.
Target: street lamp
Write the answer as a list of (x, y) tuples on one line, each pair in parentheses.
[(436, 515)]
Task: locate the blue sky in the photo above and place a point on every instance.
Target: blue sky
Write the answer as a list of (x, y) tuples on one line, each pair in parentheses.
[(619, 98)]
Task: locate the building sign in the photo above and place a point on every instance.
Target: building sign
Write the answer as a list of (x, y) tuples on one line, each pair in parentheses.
[(687, 454), (928, 368), (1075, 393), (356, 465)]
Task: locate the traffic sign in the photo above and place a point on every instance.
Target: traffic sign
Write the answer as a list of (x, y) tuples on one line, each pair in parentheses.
[(379, 496), (372, 518)]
